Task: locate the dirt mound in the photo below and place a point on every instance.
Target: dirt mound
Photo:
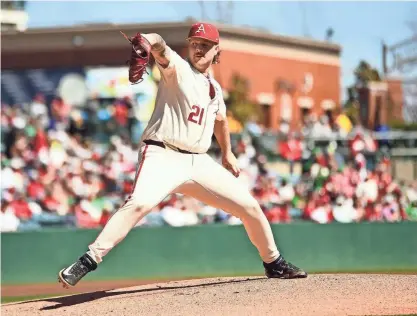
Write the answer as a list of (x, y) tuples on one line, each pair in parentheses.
[(340, 294)]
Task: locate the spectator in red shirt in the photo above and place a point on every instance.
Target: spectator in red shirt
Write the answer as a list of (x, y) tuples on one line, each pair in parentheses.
[(40, 141), (20, 207), (121, 113), (309, 206), (276, 214), (83, 218), (50, 204), (60, 110), (291, 149), (105, 216), (35, 189)]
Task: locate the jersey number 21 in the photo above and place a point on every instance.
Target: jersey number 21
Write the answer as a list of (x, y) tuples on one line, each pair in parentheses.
[(196, 116)]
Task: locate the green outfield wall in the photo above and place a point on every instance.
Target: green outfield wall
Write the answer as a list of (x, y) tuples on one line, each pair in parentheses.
[(212, 250)]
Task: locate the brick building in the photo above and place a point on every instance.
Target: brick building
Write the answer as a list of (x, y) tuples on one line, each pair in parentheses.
[(287, 76), (381, 103)]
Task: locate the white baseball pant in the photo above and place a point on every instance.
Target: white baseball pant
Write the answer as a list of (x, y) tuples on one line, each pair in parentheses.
[(164, 171)]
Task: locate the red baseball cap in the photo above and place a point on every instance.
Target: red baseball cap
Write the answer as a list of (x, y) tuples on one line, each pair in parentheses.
[(205, 31)]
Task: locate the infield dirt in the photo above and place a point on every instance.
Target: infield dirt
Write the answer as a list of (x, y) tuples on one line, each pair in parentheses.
[(322, 294)]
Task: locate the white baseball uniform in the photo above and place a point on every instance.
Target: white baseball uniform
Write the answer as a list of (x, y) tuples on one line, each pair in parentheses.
[(184, 118)]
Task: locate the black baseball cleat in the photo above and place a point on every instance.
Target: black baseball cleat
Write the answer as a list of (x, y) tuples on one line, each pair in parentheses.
[(74, 273), (283, 270)]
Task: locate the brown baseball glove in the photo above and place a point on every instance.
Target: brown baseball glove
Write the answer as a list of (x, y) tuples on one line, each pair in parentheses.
[(139, 57)]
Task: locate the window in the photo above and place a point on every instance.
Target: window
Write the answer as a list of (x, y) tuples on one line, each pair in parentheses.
[(286, 107), (378, 105), (8, 26), (13, 5)]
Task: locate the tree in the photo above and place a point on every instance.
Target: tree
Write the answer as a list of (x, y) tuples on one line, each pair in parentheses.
[(352, 105), (364, 73), (239, 102)]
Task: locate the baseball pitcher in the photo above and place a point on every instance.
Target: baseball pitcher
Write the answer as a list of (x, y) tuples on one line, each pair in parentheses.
[(172, 159)]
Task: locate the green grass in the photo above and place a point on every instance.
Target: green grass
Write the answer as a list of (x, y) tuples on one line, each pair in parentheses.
[(12, 299)]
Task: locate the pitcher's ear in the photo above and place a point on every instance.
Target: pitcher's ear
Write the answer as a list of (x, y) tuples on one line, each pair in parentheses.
[(216, 59)]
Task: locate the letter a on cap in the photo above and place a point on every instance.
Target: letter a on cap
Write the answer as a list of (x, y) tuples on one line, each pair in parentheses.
[(201, 29)]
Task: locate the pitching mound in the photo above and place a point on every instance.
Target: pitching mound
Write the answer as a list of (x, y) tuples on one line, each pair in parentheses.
[(341, 294)]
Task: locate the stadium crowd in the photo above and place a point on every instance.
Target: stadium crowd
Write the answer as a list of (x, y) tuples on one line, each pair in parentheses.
[(54, 173)]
